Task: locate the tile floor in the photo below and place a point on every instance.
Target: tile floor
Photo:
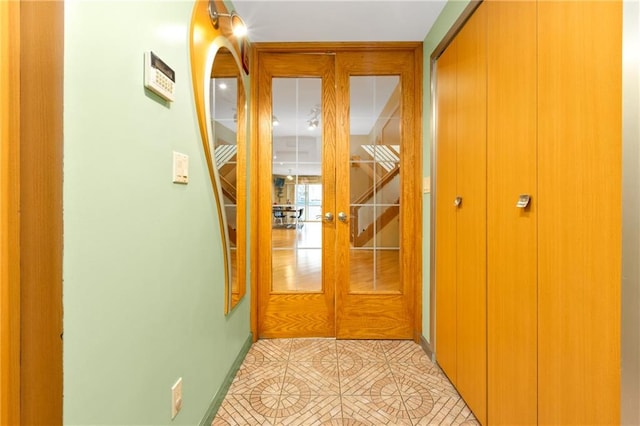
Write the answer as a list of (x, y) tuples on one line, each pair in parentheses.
[(341, 382)]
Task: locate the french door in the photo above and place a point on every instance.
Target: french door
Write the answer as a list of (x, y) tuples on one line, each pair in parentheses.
[(339, 213)]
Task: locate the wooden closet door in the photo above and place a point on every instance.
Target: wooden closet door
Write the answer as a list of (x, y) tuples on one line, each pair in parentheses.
[(512, 245), (445, 238), (579, 214), (471, 214)]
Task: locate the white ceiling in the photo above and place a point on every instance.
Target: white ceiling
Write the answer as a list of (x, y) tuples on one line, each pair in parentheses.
[(296, 148), (337, 20)]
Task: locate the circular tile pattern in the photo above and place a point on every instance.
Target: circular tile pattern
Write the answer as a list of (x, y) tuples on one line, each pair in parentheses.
[(350, 363), (254, 356), (264, 397), (417, 398), (292, 404), (384, 394), (293, 386)]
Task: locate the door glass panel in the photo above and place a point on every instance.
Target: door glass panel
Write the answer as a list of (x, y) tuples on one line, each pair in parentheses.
[(296, 238), (374, 141)]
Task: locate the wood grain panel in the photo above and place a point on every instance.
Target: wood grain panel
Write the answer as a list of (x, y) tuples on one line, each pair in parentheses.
[(254, 189), (579, 214), (296, 314), (380, 315), (445, 212), (9, 213), (41, 211), (512, 234), (471, 215)]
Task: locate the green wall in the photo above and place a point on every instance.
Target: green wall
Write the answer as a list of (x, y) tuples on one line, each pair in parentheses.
[(143, 274), (452, 10)]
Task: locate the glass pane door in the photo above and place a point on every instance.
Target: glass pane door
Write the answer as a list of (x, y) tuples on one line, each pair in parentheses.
[(374, 182), (296, 166)]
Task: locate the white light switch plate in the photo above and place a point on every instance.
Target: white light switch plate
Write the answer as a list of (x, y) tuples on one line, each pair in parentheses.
[(180, 168), (176, 398), (426, 184)]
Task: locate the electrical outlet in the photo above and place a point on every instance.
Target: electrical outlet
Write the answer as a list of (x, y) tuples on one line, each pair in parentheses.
[(176, 398)]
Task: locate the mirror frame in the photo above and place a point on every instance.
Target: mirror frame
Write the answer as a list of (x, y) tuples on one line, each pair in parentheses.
[(205, 41)]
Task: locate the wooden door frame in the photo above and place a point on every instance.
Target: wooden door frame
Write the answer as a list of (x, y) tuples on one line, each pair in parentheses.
[(9, 213), (31, 213), (322, 47)]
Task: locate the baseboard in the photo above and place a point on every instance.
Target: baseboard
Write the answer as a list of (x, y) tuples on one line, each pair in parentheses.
[(226, 384), (426, 347)]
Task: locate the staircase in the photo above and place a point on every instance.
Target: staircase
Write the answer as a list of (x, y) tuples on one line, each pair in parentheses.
[(381, 201), (225, 157)]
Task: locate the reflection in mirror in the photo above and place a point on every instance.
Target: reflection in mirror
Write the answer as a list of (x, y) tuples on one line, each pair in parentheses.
[(228, 121)]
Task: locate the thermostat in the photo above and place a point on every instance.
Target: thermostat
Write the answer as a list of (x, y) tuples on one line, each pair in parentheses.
[(158, 76)]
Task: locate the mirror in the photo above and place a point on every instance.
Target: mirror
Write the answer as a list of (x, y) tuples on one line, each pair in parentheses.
[(228, 141)]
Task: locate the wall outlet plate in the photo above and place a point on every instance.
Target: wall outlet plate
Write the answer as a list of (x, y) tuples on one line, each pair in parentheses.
[(176, 398)]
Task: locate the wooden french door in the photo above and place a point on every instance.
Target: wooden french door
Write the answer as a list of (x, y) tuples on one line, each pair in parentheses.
[(339, 213)]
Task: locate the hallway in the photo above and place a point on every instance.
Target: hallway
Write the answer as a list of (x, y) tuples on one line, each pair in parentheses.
[(341, 382)]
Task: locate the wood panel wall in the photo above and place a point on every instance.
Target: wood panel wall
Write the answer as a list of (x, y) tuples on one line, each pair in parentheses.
[(579, 215), (41, 94), (9, 213), (512, 289)]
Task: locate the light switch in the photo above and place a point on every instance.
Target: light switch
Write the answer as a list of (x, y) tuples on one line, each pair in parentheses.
[(180, 168), (426, 184)]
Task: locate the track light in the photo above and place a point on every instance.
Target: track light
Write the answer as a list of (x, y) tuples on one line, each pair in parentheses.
[(313, 123), (238, 26)]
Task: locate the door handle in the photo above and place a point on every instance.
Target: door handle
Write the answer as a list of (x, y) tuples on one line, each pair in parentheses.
[(457, 201), (523, 201), (328, 216), (342, 217)]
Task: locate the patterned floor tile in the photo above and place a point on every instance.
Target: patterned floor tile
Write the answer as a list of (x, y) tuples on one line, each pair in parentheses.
[(381, 410), (265, 377), (326, 382), (367, 350), (313, 350), (238, 410), (321, 378), (403, 351), (429, 376), (317, 410), (269, 350), (372, 377)]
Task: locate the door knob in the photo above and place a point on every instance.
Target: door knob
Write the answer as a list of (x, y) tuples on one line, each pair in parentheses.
[(328, 216), (457, 201), (342, 217)]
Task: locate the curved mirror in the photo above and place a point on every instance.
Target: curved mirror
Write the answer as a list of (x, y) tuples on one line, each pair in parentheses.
[(228, 124)]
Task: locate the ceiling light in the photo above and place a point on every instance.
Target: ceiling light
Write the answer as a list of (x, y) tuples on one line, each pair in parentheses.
[(275, 121), (222, 86), (314, 121), (238, 26), (289, 176)]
